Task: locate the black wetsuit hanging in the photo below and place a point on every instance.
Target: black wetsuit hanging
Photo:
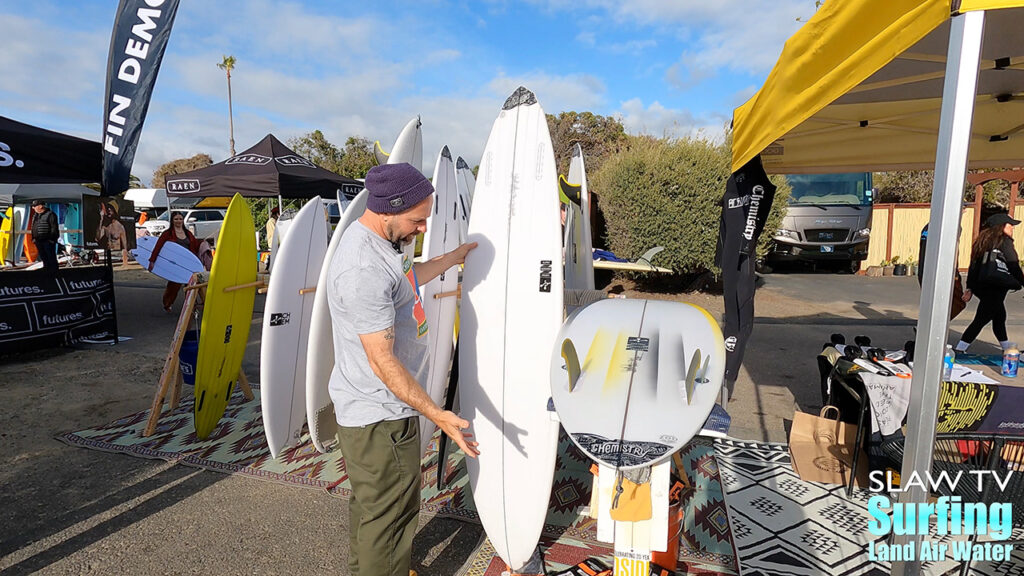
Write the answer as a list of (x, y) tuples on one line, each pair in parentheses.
[(745, 206)]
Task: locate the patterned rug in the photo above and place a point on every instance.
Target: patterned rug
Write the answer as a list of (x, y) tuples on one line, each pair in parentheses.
[(783, 525), (238, 446)]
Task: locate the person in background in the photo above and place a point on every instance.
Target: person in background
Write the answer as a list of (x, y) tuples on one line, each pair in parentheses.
[(179, 234), (206, 253), (45, 232), (275, 212), (957, 304), (997, 235)]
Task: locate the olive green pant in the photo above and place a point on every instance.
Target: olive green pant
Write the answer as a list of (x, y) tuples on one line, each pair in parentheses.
[(383, 464)]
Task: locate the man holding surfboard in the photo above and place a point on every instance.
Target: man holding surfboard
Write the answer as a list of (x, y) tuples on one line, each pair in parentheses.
[(381, 352)]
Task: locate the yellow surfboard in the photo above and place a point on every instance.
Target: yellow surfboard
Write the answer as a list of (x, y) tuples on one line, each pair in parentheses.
[(6, 235), (227, 316)]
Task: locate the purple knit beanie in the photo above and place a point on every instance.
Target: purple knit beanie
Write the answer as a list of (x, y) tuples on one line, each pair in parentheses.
[(395, 188)]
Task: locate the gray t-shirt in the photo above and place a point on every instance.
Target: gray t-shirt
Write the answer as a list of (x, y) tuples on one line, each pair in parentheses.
[(369, 291)]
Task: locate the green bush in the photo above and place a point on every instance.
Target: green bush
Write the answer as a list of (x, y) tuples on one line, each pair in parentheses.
[(662, 192)]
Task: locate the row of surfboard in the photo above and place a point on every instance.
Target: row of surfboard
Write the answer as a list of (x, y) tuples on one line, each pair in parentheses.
[(650, 370), (19, 219)]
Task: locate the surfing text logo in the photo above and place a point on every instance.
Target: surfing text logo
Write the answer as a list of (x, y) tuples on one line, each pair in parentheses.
[(6, 159), (952, 516)]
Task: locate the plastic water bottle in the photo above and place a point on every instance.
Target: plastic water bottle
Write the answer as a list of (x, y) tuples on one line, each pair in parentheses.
[(947, 363)]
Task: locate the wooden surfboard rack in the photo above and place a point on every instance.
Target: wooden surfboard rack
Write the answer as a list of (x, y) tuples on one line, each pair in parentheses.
[(172, 367)]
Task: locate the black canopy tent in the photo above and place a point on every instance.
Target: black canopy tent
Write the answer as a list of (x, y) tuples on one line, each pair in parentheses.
[(267, 170), (42, 309), (31, 155)]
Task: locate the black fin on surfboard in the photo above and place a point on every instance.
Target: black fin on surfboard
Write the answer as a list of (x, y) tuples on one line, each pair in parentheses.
[(521, 97), (449, 403), (569, 192)]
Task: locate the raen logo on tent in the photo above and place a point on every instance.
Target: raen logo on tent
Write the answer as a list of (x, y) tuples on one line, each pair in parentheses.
[(8, 160)]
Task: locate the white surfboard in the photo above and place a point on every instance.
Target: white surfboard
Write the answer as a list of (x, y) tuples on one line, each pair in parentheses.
[(464, 183), (409, 149), (442, 236), (511, 311), (278, 237), (174, 262), (579, 258), (409, 145), (286, 320), (634, 380), (323, 423)]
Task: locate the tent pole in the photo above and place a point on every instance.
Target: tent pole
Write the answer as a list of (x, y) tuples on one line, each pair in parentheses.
[(958, 94)]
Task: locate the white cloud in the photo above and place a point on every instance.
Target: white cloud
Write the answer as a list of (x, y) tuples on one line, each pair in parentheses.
[(661, 122), (726, 35), (555, 93)]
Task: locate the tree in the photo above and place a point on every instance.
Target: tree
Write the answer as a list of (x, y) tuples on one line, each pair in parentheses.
[(354, 160), (318, 150), (358, 158), (667, 192), (599, 136), (903, 187), (227, 65), (178, 166)]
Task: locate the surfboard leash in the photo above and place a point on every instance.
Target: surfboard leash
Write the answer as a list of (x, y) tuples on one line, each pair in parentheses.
[(619, 476)]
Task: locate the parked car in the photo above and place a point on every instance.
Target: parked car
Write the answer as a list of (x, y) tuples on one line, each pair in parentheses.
[(203, 222)]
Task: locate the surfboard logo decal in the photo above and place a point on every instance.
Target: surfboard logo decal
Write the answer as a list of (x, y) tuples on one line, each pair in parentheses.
[(638, 344), (618, 452), (227, 333), (545, 275), (280, 319)]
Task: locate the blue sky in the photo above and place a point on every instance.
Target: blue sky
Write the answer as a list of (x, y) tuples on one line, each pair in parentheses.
[(664, 67)]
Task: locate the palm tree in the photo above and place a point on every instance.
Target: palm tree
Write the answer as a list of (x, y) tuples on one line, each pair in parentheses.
[(228, 64)]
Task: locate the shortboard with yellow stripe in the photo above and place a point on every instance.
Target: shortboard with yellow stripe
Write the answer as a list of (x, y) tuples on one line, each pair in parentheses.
[(634, 380), (227, 316)]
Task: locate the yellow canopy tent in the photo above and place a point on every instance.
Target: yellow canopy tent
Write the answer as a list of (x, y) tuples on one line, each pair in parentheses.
[(859, 88), (872, 85)]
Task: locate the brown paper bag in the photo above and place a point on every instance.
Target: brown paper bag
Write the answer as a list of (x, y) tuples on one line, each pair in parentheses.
[(822, 448)]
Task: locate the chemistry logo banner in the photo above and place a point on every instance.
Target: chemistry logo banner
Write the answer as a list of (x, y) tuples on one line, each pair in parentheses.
[(39, 310), (137, 46)]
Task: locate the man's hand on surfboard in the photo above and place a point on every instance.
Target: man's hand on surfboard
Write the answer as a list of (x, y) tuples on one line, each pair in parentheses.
[(460, 253), (452, 425)]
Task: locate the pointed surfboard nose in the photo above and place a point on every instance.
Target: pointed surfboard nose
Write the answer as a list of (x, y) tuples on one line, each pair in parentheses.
[(521, 97)]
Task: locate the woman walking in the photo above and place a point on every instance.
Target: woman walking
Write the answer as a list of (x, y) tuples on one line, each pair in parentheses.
[(179, 234), (994, 271)]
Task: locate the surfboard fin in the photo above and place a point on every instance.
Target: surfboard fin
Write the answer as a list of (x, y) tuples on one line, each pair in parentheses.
[(691, 376), (572, 363), (379, 154), (569, 192)]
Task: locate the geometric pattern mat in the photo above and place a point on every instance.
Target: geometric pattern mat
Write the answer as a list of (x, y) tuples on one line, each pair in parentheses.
[(781, 524), (705, 544), (238, 446)]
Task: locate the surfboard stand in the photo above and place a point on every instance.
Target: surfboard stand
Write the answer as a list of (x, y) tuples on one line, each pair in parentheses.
[(172, 367), (634, 541)]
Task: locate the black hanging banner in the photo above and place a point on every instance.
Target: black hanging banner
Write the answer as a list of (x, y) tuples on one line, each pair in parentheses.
[(137, 46), (40, 310)]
